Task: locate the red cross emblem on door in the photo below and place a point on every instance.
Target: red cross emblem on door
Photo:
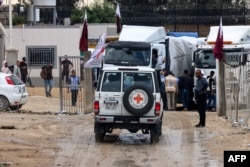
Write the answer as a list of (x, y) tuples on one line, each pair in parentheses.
[(138, 98)]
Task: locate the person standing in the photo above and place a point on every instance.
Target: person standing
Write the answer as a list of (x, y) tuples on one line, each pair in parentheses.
[(171, 88), (5, 67), (74, 83), (24, 72), (201, 97), (17, 70), (185, 85), (47, 75), (66, 66), (162, 89), (211, 92)]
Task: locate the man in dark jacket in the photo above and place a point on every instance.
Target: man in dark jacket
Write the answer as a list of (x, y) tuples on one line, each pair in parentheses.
[(201, 97), (66, 65), (185, 85), (47, 75)]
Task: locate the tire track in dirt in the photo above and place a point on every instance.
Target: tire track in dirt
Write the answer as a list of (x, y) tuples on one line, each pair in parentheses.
[(179, 145), (184, 140)]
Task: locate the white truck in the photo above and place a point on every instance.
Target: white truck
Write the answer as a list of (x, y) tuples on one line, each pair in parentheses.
[(236, 43), (236, 51), (136, 45), (180, 50)]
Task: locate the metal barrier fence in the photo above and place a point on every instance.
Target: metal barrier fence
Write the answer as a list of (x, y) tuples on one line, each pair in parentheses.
[(237, 90), (67, 91)]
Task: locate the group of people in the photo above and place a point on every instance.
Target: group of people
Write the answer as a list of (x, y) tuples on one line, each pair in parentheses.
[(72, 79), (20, 69), (204, 94), (68, 75), (172, 86)]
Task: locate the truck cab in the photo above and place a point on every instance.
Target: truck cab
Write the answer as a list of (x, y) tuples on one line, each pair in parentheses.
[(135, 47), (236, 45)]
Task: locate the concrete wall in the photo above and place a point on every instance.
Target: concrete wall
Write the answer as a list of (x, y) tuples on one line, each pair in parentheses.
[(65, 38)]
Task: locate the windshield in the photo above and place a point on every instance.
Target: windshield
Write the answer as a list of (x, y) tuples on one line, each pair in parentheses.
[(204, 59), (127, 56)]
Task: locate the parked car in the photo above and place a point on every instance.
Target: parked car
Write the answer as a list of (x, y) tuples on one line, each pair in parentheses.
[(13, 93)]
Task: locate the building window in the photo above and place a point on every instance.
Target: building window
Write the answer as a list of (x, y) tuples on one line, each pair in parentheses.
[(39, 56)]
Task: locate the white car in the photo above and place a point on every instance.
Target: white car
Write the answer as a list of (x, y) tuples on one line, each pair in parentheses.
[(13, 93), (128, 98)]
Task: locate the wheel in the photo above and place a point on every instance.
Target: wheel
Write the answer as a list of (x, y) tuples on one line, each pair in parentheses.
[(99, 137), (15, 107), (154, 134), (159, 128), (154, 138), (4, 103), (138, 100)]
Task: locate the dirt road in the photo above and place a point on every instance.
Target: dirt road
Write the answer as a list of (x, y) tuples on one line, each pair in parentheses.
[(40, 138)]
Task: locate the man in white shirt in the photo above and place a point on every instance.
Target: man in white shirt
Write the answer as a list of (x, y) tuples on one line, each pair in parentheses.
[(171, 89)]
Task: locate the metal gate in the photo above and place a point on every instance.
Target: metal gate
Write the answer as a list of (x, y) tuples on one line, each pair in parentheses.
[(237, 89), (68, 92)]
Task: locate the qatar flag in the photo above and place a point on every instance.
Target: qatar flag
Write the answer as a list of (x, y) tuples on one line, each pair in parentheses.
[(218, 47), (118, 19), (83, 44)]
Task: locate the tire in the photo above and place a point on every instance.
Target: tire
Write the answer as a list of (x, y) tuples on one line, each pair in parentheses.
[(15, 107), (154, 138), (4, 103), (159, 128), (154, 134), (99, 137), (145, 104)]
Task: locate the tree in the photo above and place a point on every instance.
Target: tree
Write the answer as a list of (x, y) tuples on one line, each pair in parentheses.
[(97, 13)]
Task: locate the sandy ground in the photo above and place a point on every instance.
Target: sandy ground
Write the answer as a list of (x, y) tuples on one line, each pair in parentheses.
[(34, 137)]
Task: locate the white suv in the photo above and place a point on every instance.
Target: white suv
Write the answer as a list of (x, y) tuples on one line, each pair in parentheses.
[(13, 93), (128, 98)]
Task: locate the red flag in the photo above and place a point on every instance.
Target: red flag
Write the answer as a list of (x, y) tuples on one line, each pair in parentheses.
[(118, 19), (83, 44), (218, 47)]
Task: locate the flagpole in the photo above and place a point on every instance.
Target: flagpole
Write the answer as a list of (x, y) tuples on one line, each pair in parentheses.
[(220, 67), (10, 24)]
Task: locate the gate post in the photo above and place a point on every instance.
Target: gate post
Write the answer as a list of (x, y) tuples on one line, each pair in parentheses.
[(220, 97), (88, 86)]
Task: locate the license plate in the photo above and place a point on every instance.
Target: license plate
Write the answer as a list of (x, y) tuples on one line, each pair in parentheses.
[(111, 105)]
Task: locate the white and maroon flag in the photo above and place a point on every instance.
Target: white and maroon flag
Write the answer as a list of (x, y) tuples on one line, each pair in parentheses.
[(218, 47), (96, 57), (118, 19)]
